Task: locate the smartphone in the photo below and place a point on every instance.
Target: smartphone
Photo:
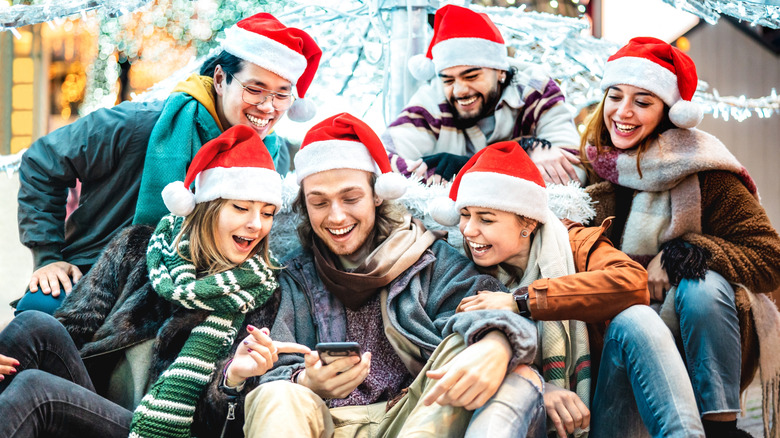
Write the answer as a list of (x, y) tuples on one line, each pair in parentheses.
[(330, 351)]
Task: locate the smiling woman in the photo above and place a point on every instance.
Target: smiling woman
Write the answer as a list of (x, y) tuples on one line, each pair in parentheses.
[(177, 296)]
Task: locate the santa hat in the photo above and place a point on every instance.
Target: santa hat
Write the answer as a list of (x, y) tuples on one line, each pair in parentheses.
[(501, 177), (345, 142), (460, 37), (289, 52), (235, 165), (661, 69)]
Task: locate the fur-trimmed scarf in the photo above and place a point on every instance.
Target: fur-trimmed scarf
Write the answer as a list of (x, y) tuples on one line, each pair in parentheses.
[(668, 202), (168, 409)]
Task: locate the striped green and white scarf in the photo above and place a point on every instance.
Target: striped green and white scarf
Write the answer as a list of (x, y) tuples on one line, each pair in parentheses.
[(169, 407)]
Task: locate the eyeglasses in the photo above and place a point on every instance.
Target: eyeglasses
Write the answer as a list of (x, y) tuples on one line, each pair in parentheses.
[(255, 95)]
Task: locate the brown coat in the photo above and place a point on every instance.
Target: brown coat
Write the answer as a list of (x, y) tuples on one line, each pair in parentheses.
[(744, 247)]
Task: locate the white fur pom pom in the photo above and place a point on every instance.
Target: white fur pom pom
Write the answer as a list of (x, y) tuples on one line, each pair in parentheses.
[(178, 199), (301, 111), (443, 211), (685, 114), (570, 201), (390, 185), (421, 67)]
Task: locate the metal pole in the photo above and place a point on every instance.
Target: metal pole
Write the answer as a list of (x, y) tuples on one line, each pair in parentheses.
[(409, 36)]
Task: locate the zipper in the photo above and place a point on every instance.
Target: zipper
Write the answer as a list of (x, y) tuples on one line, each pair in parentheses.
[(231, 415)]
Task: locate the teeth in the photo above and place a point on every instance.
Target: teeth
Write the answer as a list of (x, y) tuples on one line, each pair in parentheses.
[(625, 128), (261, 123), (244, 238), (477, 246), (341, 231), (468, 101)]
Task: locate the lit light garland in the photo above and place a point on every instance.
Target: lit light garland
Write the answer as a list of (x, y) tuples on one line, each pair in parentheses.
[(353, 69), (756, 12)]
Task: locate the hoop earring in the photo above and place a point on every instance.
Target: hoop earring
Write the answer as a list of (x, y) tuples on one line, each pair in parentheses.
[(524, 233)]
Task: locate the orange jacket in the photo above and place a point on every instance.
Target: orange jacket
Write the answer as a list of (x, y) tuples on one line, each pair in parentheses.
[(607, 281)]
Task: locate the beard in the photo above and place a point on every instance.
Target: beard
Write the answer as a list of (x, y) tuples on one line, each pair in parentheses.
[(489, 103)]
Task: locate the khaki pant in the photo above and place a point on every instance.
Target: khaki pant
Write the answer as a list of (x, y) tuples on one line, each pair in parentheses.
[(283, 409)]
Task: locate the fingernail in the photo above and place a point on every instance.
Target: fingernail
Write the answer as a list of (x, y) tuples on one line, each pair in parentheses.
[(265, 331), (250, 328), (13, 371), (249, 350), (246, 342), (16, 363)]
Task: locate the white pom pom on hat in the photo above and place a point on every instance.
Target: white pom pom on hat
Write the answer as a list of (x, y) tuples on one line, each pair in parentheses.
[(235, 165), (443, 211), (660, 68), (421, 67), (345, 142), (301, 111)]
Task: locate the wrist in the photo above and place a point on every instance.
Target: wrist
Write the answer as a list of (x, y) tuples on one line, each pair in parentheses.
[(231, 380), (521, 301)]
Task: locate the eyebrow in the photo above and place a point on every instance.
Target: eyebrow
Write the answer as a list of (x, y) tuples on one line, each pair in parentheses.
[(262, 84), (639, 93), (340, 192), (463, 73)]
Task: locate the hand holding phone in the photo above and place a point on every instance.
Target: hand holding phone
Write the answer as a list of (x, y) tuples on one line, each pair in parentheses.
[(330, 351)]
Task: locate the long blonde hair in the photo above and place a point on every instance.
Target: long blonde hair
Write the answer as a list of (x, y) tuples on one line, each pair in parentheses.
[(597, 134), (201, 226)]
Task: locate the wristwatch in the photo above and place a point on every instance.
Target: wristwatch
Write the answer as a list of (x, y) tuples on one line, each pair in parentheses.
[(521, 300)]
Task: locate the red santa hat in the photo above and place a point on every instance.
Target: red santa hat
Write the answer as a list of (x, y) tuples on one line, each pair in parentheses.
[(500, 176), (345, 142), (235, 165), (460, 37), (287, 51), (661, 69)]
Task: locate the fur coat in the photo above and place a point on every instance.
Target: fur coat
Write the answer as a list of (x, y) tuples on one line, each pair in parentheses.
[(114, 307)]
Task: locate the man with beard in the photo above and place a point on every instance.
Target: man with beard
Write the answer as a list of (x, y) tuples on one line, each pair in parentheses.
[(482, 97), (370, 273)]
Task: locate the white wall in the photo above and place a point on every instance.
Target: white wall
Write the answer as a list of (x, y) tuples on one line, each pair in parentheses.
[(15, 259)]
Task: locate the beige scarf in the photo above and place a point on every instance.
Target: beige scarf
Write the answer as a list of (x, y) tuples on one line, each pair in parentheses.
[(402, 248), (565, 347)]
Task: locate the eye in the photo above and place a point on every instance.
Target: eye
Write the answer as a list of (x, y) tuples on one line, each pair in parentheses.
[(471, 77), (643, 104), (352, 200), (613, 97), (487, 221), (254, 91), (268, 214), (240, 208), (447, 81), (465, 215)]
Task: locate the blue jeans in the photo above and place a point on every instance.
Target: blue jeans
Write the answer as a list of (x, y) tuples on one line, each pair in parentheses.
[(515, 411), (709, 330), (52, 394), (642, 385)]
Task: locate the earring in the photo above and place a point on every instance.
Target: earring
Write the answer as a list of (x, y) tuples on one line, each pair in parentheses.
[(524, 233)]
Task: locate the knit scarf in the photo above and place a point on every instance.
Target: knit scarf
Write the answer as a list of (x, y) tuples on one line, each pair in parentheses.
[(402, 248), (168, 409), (565, 346), (188, 120), (668, 199)]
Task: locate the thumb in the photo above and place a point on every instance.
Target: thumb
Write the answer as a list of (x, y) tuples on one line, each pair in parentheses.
[(311, 359)]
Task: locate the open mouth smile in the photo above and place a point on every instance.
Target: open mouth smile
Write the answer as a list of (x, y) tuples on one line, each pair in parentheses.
[(340, 231), (260, 123)]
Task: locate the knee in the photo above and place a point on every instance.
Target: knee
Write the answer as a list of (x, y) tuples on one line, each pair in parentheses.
[(35, 324), (30, 381), (705, 298), (280, 393), (39, 301), (639, 326)]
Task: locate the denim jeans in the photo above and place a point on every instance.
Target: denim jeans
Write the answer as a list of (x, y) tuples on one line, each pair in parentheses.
[(709, 330), (52, 393), (642, 384), (515, 411)]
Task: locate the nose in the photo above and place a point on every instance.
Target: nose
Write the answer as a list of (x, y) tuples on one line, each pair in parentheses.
[(624, 108), (255, 222), (336, 215), (459, 88), (468, 228), (267, 106)]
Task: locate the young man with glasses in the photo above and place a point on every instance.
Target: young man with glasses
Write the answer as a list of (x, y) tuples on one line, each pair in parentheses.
[(124, 156)]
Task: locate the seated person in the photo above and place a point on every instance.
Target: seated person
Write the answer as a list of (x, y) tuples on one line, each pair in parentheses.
[(500, 202), (481, 97), (173, 299), (369, 273), (125, 155), (688, 210)]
